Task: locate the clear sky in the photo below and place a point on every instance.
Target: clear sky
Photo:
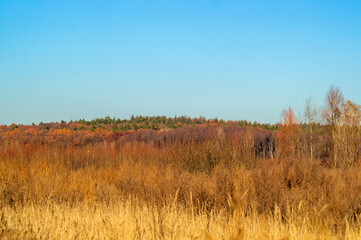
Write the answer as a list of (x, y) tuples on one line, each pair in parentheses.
[(235, 60)]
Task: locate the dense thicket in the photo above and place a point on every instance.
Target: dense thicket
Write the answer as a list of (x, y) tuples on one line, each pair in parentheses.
[(263, 141)]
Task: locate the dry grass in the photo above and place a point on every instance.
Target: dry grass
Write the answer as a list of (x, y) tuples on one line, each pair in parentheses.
[(131, 219), (139, 191)]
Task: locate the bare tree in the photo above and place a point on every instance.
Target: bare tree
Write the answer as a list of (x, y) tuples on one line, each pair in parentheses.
[(311, 117), (347, 137), (332, 113), (333, 108)]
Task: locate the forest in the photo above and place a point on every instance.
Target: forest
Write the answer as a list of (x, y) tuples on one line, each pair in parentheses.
[(185, 178)]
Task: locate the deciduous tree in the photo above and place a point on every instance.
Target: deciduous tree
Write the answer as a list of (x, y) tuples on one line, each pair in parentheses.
[(311, 116), (332, 112), (347, 135), (288, 136)]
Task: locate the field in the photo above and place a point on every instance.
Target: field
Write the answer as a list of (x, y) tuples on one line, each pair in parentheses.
[(201, 179)]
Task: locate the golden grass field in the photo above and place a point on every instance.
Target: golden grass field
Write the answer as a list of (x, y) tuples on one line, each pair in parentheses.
[(138, 191), (130, 219)]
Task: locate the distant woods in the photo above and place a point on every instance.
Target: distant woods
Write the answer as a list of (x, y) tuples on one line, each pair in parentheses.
[(330, 134)]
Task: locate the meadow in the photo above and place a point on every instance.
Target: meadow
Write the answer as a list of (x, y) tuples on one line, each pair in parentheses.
[(202, 179)]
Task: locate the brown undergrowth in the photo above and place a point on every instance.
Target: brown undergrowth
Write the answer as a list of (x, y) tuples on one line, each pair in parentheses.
[(210, 182)]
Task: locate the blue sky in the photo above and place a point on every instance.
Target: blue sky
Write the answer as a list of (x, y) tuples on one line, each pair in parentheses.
[(236, 60)]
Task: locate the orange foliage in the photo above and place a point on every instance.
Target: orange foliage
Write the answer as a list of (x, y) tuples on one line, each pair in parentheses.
[(288, 136)]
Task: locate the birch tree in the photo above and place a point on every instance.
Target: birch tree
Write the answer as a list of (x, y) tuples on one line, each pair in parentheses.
[(347, 135), (332, 113), (311, 117)]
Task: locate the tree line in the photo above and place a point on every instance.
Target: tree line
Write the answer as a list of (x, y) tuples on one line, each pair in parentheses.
[(330, 134)]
